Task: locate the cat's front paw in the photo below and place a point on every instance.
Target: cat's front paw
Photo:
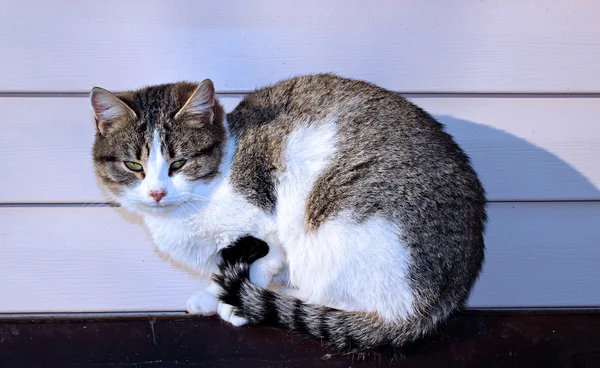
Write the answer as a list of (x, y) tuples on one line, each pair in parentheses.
[(204, 303), (226, 313)]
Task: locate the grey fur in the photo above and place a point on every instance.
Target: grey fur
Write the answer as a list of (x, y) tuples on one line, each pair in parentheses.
[(349, 331), (195, 137), (393, 160)]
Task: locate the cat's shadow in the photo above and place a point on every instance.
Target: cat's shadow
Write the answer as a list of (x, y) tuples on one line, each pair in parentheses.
[(512, 168)]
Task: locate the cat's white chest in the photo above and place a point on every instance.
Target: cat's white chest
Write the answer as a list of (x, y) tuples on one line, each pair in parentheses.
[(168, 233), (175, 237)]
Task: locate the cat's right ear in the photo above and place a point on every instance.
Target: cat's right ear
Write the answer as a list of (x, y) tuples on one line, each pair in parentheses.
[(109, 110)]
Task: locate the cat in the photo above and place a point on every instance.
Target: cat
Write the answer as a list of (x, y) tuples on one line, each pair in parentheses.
[(373, 216)]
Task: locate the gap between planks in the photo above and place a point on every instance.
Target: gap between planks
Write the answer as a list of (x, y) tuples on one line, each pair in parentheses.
[(108, 204), (183, 315), (407, 94)]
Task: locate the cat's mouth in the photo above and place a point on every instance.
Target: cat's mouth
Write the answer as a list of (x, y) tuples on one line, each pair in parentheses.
[(157, 207), (168, 207)]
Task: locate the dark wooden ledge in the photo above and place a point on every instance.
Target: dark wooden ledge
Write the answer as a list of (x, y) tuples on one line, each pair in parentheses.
[(472, 339)]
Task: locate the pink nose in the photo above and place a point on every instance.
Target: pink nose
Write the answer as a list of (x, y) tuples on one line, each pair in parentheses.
[(158, 194)]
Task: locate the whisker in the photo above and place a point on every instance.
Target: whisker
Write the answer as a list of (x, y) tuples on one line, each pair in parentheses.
[(196, 197), (191, 204)]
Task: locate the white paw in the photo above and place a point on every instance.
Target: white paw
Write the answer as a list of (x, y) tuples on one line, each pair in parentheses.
[(203, 302), (226, 313)]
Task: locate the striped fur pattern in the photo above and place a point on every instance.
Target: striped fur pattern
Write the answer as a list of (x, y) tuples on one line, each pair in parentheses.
[(373, 215), (348, 331), (378, 211)]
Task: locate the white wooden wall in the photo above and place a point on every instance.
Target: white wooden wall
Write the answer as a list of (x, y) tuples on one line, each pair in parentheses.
[(517, 83)]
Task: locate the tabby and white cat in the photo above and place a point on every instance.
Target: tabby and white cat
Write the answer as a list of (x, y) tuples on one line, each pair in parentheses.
[(373, 215)]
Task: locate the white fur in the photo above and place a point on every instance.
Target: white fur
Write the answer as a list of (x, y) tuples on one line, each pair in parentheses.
[(183, 197), (227, 217), (203, 302), (167, 220), (226, 313), (345, 264), (352, 266), (157, 169), (194, 221)]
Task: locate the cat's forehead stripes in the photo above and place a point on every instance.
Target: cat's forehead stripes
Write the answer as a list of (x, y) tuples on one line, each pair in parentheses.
[(188, 138)]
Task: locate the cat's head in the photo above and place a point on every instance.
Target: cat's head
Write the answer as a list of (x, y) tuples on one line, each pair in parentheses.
[(159, 149)]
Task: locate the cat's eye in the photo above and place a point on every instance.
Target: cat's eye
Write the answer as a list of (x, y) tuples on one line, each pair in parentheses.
[(177, 165), (134, 166)]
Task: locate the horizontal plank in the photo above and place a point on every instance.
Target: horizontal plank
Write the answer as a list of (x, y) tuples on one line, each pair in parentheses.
[(523, 148), (499, 340), (408, 46), (82, 259)]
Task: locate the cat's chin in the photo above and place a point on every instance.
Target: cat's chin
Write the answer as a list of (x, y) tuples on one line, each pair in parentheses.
[(152, 209)]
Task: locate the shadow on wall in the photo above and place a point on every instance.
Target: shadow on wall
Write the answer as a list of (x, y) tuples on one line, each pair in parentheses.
[(526, 243), (513, 169)]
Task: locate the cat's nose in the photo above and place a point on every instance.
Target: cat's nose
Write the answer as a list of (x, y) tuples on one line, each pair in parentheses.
[(158, 194)]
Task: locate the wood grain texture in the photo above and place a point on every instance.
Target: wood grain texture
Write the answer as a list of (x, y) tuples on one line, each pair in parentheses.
[(408, 46), (469, 340), (74, 259), (522, 148)]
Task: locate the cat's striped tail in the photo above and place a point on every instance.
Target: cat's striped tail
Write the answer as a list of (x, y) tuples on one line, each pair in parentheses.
[(348, 331)]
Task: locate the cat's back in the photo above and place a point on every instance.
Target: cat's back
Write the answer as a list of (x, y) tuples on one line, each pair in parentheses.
[(395, 134), (381, 140), (390, 158), (308, 98), (362, 113)]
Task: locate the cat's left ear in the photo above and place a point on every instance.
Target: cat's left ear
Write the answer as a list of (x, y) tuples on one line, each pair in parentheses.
[(201, 103)]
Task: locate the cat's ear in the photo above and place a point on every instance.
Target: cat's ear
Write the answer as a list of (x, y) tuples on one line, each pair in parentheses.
[(200, 105), (109, 110)]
